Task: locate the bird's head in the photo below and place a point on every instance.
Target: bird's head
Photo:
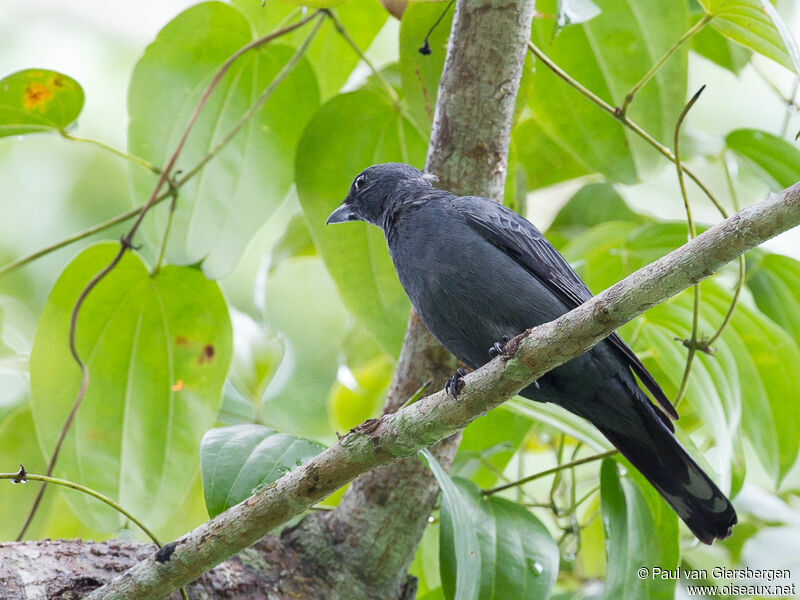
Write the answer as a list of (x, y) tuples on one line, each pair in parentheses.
[(372, 190)]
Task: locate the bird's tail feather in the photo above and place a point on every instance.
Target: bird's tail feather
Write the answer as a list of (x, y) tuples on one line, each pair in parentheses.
[(658, 455)]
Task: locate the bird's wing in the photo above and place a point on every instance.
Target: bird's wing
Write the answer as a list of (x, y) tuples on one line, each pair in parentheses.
[(519, 239)]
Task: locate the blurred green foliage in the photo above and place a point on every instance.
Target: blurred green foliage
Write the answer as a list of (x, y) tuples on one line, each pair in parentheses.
[(304, 324)]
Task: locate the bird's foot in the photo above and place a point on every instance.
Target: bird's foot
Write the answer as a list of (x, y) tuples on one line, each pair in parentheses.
[(455, 384), (498, 348)]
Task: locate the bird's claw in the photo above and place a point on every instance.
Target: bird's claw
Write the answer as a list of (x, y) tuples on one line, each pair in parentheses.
[(455, 384), (498, 349)]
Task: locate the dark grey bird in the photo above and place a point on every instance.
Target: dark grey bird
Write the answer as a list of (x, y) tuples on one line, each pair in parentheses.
[(478, 273)]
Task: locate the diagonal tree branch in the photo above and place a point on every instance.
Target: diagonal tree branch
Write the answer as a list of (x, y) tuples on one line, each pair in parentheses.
[(438, 416)]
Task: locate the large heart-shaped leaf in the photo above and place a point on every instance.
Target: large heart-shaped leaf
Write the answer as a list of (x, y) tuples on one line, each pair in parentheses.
[(565, 135), (641, 531), (348, 134), (157, 348), (491, 548), (236, 461), (219, 210), (37, 100)]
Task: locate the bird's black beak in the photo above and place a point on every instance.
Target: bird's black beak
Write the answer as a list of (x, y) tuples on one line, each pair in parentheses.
[(342, 214)]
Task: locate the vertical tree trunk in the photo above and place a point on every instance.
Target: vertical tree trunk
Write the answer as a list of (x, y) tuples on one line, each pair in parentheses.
[(372, 535)]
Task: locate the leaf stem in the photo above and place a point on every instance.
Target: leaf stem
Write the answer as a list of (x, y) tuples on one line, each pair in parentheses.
[(692, 342), (134, 159), (378, 75), (660, 62), (557, 469)]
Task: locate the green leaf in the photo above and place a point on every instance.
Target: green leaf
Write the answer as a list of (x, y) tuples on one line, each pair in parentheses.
[(348, 134), (747, 23), (778, 159), (641, 531), (710, 44), (565, 134), (362, 398), (593, 204), (488, 444), (157, 348), (219, 210), (38, 100), (561, 419), (774, 281), (491, 548), (295, 241), (302, 306), (257, 353), (332, 58), (237, 461), (421, 72)]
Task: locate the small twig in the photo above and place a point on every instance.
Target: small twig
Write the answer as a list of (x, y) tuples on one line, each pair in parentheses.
[(22, 477), (134, 159), (126, 243), (387, 87), (557, 469), (691, 343), (660, 62), (661, 148), (425, 49)]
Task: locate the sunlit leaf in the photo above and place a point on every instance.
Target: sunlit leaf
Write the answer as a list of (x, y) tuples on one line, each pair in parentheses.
[(38, 100), (237, 461), (348, 134), (363, 396), (573, 12), (157, 348), (220, 210), (747, 23), (778, 159), (641, 531)]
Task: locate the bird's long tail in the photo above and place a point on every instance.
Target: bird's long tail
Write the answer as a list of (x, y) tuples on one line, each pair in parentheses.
[(652, 448)]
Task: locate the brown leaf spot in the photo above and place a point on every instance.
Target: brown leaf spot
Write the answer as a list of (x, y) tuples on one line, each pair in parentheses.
[(178, 386), (58, 81), (37, 96), (181, 341), (207, 355)]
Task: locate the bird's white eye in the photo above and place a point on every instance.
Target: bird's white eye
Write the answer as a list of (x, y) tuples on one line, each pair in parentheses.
[(359, 182)]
